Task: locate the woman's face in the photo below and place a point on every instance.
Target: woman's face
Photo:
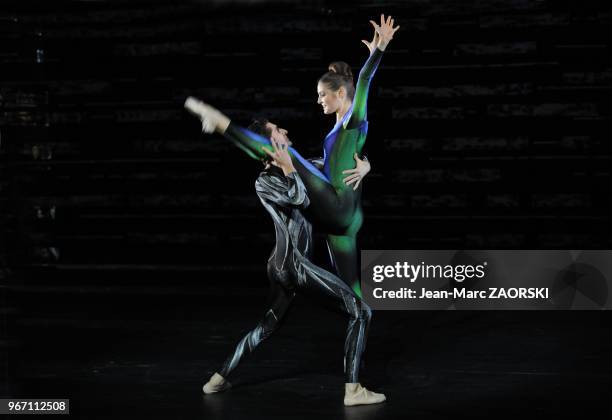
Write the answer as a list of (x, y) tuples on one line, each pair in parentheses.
[(330, 100)]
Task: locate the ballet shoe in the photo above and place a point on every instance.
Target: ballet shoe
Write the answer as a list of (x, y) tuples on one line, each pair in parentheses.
[(197, 107), (355, 394), (212, 119), (216, 383)]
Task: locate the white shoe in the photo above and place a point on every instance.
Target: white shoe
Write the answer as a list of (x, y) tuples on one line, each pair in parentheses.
[(216, 383), (355, 394), (197, 107), (212, 119), (208, 126)]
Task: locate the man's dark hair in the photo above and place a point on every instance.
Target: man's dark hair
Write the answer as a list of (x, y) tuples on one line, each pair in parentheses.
[(260, 126)]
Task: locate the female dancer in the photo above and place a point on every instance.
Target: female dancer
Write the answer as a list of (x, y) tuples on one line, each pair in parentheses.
[(335, 207)]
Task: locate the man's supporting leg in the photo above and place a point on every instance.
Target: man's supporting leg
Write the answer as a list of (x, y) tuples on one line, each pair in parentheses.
[(343, 252), (329, 286), (281, 299)]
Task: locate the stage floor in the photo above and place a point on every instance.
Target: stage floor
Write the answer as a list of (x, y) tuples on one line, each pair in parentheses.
[(133, 356)]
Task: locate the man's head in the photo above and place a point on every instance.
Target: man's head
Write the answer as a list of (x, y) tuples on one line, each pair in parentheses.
[(269, 130)]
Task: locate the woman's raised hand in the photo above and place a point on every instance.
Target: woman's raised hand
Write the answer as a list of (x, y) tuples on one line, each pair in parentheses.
[(385, 31), (373, 43)]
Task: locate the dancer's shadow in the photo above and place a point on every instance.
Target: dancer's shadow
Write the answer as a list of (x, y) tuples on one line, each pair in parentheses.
[(365, 412), (287, 376)]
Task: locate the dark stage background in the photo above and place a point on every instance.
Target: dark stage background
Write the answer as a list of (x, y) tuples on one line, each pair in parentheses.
[(133, 248)]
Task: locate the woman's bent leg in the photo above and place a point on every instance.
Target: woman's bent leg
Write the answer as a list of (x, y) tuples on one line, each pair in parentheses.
[(329, 211)]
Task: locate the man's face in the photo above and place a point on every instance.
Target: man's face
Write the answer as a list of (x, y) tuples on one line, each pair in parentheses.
[(278, 134)]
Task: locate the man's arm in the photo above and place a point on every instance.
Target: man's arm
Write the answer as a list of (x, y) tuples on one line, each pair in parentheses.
[(317, 162), (288, 192), (293, 192), (354, 176)]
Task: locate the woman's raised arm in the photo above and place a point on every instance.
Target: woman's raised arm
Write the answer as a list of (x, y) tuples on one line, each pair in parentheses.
[(383, 34)]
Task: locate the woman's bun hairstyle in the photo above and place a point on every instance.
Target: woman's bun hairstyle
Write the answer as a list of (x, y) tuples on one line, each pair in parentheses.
[(341, 68), (339, 75)]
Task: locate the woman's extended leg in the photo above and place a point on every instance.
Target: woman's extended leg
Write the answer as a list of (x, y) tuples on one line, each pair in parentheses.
[(331, 208)]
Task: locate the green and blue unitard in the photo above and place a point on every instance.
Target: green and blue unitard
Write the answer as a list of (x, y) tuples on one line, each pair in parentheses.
[(335, 207)]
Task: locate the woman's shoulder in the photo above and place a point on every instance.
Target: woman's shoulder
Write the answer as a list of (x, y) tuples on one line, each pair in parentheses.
[(361, 127)]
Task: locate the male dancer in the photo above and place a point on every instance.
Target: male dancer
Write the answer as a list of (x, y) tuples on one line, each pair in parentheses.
[(283, 194)]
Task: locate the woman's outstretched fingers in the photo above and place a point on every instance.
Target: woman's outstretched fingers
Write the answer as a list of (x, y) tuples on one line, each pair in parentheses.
[(385, 31), (374, 42)]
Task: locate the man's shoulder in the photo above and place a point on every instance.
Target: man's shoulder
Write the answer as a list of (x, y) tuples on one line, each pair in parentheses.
[(270, 177), (271, 172)]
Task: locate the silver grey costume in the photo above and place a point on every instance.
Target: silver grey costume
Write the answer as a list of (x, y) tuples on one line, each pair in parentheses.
[(289, 269)]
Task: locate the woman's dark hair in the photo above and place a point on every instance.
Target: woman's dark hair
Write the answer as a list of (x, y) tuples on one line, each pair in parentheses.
[(339, 74), (260, 126)]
